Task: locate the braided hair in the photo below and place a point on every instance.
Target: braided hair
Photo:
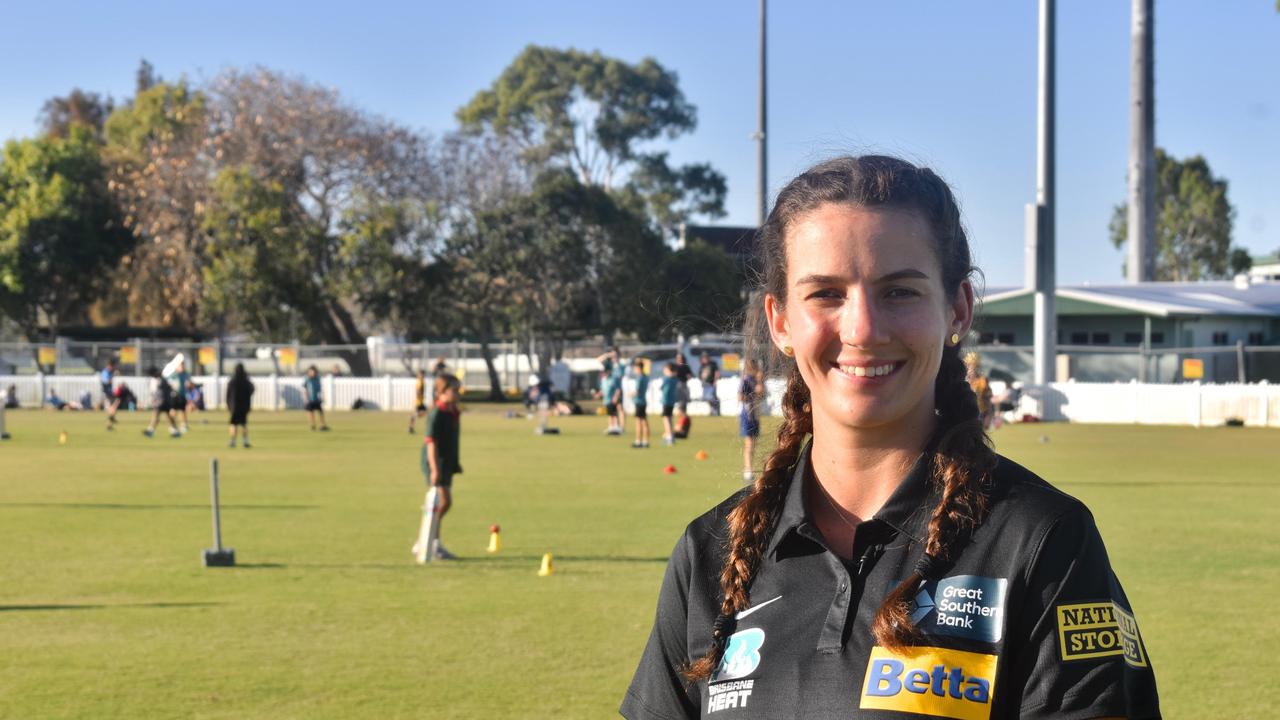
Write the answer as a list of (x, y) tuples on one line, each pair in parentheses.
[(962, 454)]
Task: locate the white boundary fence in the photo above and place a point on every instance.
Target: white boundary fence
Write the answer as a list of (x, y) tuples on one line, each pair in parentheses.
[(1117, 403)]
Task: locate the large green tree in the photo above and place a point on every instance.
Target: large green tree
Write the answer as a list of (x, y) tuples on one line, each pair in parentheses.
[(60, 231), (1193, 221), (599, 116)]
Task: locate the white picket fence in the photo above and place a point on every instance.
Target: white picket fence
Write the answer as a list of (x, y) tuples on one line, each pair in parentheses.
[(1116, 403)]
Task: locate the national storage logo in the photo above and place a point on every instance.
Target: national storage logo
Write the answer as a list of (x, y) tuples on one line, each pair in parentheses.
[(1097, 630), (930, 681)]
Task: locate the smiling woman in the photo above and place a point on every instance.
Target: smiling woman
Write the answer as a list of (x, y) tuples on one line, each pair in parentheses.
[(886, 561)]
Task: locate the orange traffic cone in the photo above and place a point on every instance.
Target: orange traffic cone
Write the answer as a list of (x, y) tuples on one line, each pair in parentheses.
[(545, 570), (495, 541), (701, 455), (669, 470)]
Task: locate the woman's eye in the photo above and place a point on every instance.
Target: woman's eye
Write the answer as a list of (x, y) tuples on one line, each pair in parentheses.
[(824, 294), (901, 293)]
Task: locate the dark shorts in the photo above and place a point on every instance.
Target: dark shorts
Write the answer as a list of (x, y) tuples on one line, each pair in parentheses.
[(240, 417), (313, 405), (667, 410), (748, 426), (612, 409), (446, 478), (641, 411), (421, 408)]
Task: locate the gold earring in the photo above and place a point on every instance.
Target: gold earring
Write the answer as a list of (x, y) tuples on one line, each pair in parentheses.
[(786, 350), (955, 338)]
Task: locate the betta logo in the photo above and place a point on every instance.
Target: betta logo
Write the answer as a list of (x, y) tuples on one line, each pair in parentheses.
[(930, 681)]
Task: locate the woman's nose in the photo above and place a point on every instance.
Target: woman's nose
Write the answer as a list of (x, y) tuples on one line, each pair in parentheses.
[(860, 322)]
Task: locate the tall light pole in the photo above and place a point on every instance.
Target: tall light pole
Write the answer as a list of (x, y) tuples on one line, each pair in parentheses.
[(762, 124), (1140, 264), (1041, 265)]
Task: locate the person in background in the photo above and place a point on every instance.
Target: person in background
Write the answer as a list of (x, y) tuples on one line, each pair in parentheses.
[(121, 397), (194, 397), (670, 394), (11, 397), (315, 403), (640, 401), (106, 377), (441, 458), (162, 400), (420, 398), (176, 373), (683, 374), (239, 402), (749, 392), (440, 368), (53, 401), (708, 374), (981, 388)]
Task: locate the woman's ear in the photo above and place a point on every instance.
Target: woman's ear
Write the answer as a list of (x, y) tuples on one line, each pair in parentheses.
[(962, 309), (777, 322)]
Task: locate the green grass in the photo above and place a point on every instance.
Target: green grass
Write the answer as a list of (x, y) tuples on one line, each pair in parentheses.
[(106, 611)]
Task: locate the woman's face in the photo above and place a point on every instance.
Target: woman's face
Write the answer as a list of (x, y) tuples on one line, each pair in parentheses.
[(866, 315)]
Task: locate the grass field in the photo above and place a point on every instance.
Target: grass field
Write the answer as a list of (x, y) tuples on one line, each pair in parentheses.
[(106, 611)]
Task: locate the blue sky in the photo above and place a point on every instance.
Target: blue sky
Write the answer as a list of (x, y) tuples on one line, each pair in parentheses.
[(948, 84)]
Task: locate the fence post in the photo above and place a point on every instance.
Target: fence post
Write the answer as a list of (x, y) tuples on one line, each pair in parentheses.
[(1199, 409), (328, 391), (275, 391), (386, 392), (41, 393), (1265, 389), (1240, 373)]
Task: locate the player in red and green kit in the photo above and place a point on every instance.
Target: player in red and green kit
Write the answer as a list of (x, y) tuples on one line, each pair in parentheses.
[(440, 457)]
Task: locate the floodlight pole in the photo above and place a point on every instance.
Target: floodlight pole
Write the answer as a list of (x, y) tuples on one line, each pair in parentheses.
[(1043, 246), (1140, 265), (762, 124)]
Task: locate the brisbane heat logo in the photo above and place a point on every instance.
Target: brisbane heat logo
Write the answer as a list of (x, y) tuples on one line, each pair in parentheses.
[(741, 658)]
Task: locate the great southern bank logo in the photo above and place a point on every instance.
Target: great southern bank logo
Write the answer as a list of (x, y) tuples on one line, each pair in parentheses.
[(741, 655)]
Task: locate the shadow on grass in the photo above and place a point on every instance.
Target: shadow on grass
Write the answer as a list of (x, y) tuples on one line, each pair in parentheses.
[(124, 506), (35, 608)]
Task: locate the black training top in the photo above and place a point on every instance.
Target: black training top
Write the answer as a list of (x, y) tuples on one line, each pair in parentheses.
[(1028, 621)]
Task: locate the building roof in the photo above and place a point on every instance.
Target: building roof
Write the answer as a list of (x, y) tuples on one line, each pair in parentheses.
[(737, 241), (1158, 299)]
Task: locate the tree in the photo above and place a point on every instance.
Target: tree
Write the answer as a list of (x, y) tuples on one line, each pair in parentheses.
[(60, 230), (594, 115), (86, 109), (1193, 221), (698, 289)]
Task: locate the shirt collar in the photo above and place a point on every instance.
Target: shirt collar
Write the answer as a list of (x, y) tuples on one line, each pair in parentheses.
[(907, 510)]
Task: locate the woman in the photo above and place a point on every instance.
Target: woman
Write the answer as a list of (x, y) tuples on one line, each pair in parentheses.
[(886, 561), (239, 402), (749, 390)]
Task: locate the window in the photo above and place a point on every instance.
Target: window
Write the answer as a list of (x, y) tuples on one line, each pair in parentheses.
[(1157, 338), (986, 338), (1132, 338), (1220, 338), (1079, 338), (1007, 338), (1102, 338), (1256, 338)]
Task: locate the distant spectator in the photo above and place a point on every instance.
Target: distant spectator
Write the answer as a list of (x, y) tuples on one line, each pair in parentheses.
[(420, 399), (194, 396), (440, 367), (239, 402), (11, 397), (709, 373), (683, 374), (121, 397), (106, 377), (315, 402), (54, 401)]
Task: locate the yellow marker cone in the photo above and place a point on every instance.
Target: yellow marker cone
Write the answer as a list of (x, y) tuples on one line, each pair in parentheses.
[(701, 455), (495, 540), (63, 437), (545, 570)]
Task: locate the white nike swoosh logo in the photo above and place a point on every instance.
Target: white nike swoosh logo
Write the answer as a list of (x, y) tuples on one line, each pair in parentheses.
[(750, 610)]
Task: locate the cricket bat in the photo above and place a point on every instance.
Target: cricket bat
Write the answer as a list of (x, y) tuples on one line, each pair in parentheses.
[(429, 531)]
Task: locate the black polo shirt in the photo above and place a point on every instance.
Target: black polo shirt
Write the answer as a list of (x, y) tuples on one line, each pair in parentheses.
[(1027, 621)]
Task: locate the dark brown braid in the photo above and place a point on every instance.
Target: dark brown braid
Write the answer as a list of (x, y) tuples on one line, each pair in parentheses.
[(963, 456), (962, 463), (753, 520)]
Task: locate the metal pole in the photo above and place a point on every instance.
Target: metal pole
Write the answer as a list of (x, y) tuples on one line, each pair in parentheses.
[(762, 124), (1140, 265), (217, 518), (1045, 315), (1241, 375)]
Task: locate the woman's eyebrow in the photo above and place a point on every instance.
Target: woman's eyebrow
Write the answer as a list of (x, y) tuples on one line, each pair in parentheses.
[(819, 279)]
